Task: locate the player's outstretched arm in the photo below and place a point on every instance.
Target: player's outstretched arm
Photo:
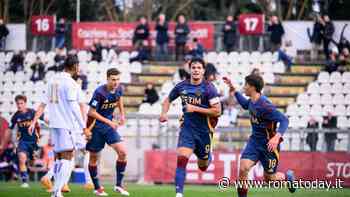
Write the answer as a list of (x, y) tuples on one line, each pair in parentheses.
[(240, 98), (39, 112), (76, 110), (165, 108)]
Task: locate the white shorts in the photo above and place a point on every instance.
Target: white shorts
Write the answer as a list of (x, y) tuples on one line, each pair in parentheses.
[(80, 141), (63, 139)]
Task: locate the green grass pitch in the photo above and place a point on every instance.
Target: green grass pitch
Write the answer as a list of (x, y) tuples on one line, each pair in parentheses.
[(13, 190)]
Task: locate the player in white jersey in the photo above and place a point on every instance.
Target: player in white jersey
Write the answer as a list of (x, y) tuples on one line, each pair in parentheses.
[(80, 143), (65, 118)]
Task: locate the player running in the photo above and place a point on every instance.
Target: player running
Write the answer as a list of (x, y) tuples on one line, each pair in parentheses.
[(264, 143), (200, 103), (27, 139), (65, 118), (100, 121)]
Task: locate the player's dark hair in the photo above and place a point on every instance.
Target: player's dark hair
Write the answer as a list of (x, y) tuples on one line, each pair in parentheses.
[(21, 97), (197, 60), (256, 81), (112, 71), (70, 62)]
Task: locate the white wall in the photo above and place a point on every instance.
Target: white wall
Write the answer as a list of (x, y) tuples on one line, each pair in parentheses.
[(16, 40)]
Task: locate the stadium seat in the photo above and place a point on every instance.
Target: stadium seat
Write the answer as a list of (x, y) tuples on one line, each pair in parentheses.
[(278, 67), (304, 110), (348, 111), (325, 88), (338, 99), (335, 77), (316, 110), (342, 122), (144, 108), (315, 99), (293, 122), (347, 99), (346, 77), (313, 88), (340, 110), (292, 109), (326, 99), (303, 99), (346, 88), (323, 77), (337, 88), (136, 67), (269, 78)]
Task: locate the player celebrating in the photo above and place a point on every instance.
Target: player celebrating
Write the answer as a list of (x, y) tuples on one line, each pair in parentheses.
[(263, 144), (65, 117), (100, 120), (27, 140), (200, 104)]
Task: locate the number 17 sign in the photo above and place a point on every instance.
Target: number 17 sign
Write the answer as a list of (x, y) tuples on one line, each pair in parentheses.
[(251, 24), (43, 25)]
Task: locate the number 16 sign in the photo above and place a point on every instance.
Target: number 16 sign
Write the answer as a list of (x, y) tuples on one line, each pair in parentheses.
[(43, 25), (251, 24)]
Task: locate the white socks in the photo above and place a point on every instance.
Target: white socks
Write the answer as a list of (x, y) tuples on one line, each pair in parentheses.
[(86, 167), (62, 174), (51, 172)]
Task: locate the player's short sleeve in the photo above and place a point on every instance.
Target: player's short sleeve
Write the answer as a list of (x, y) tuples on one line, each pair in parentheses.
[(72, 91), (174, 93), (95, 101), (213, 95), (120, 91)]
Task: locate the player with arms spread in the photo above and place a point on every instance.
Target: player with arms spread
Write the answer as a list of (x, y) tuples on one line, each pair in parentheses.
[(103, 129), (65, 118), (263, 144), (201, 104), (27, 139)]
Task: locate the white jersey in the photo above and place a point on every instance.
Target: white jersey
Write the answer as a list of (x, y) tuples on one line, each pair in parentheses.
[(62, 102)]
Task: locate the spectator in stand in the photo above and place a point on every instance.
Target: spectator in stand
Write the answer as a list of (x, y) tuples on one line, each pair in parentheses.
[(316, 37), (162, 38), (141, 33), (59, 58), (151, 95), (330, 122), (96, 51), (143, 53), (82, 80), (184, 71), (344, 44), (4, 32), (276, 33), (312, 137), (195, 49), (17, 62), (5, 134), (344, 61), (284, 57), (182, 31), (60, 34), (327, 34), (38, 70), (229, 31), (333, 63)]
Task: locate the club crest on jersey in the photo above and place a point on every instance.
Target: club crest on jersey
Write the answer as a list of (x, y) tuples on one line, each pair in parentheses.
[(106, 101), (198, 93), (184, 92)]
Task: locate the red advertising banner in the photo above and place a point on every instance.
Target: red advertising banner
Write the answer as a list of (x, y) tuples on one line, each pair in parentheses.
[(160, 167), (251, 24), (120, 34), (43, 25)]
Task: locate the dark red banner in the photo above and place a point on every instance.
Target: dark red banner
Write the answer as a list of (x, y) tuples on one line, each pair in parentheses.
[(43, 25), (160, 167), (251, 24), (120, 34)]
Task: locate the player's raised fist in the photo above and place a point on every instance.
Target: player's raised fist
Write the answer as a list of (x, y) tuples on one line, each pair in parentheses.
[(87, 133), (121, 120), (229, 83)]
